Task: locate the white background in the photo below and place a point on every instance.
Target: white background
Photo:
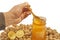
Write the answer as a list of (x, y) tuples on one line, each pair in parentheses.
[(46, 8)]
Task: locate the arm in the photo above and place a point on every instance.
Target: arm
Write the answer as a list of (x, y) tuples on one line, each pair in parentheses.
[(15, 15)]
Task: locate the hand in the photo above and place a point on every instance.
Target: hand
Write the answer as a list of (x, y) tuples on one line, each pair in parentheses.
[(17, 14)]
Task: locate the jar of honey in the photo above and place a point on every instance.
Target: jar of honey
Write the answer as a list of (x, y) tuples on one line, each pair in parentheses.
[(38, 28)]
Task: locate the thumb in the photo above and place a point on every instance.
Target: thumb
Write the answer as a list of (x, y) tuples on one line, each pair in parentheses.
[(18, 20)]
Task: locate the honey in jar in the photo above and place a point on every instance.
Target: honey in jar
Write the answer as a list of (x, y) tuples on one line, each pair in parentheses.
[(38, 28)]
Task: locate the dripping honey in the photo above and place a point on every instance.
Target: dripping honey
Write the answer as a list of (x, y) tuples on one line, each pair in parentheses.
[(39, 29)]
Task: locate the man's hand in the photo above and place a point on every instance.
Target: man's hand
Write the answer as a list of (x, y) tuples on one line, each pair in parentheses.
[(17, 13)]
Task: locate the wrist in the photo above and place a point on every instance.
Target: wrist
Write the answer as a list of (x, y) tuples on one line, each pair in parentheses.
[(8, 18), (4, 17)]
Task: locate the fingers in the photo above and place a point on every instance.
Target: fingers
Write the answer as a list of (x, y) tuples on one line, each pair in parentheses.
[(21, 12), (18, 20), (26, 10), (22, 8), (26, 4), (23, 15)]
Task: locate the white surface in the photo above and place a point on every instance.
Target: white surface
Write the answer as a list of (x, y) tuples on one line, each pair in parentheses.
[(47, 8)]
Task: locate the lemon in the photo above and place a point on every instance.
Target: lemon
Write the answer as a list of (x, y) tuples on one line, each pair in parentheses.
[(20, 33), (12, 35)]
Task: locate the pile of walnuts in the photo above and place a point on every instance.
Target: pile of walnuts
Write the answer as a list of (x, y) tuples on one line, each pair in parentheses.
[(26, 35)]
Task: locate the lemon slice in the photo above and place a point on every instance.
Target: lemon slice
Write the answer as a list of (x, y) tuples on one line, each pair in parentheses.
[(12, 35), (20, 33)]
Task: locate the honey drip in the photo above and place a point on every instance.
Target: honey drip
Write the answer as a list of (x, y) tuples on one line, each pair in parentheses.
[(38, 28)]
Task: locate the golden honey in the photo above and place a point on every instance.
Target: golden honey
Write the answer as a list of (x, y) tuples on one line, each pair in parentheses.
[(39, 29)]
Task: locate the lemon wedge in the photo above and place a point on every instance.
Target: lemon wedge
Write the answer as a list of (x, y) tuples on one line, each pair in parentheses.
[(20, 33), (12, 35)]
